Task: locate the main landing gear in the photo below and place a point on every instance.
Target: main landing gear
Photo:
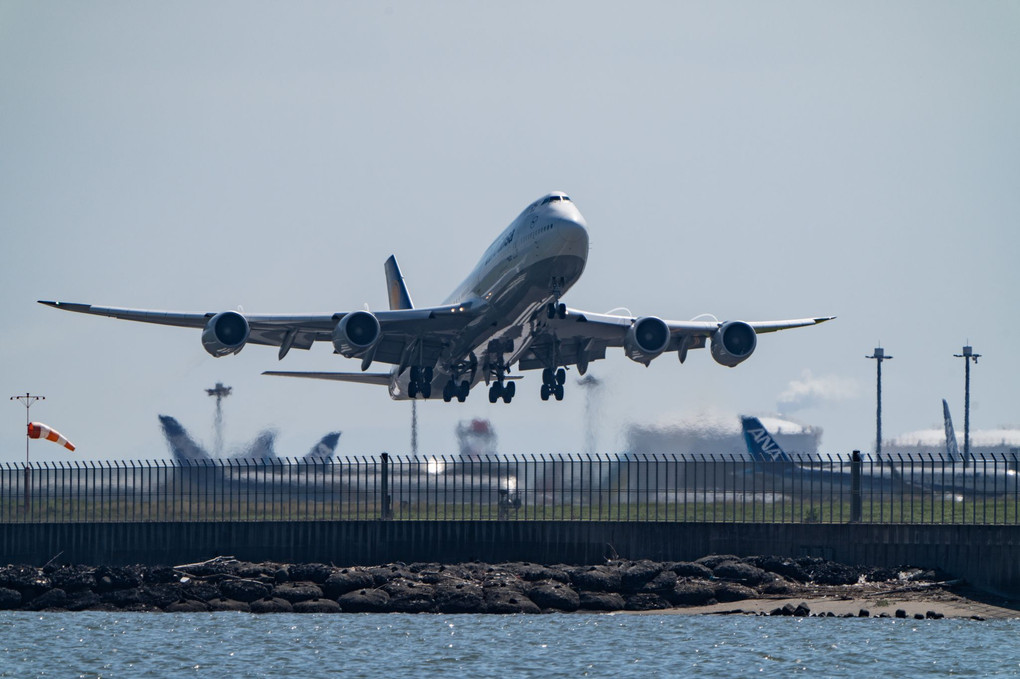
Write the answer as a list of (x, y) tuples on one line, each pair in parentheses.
[(501, 389), (420, 382), (452, 390), (552, 383)]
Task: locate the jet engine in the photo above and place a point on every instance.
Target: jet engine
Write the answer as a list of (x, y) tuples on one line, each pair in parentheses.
[(733, 343), (225, 333), (356, 333), (646, 338)]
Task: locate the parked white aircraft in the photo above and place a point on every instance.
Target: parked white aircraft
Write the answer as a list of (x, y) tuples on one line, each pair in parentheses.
[(986, 475), (507, 312)]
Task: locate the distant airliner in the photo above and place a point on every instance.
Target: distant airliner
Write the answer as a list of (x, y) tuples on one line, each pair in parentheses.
[(763, 448), (507, 312)]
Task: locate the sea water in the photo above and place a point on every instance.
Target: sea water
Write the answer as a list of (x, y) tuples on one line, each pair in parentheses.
[(166, 645)]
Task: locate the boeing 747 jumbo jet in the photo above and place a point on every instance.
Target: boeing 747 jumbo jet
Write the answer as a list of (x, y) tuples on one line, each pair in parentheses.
[(507, 312)]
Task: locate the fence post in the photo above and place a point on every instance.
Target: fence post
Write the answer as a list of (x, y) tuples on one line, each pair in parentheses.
[(855, 487), (387, 511)]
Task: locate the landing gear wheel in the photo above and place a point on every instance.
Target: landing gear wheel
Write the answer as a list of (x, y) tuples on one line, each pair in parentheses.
[(545, 392), (495, 391), (426, 390), (508, 392), (412, 389), (561, 376), (547, 376), (448, 390), (550, 310), (462, 391), (561, 310), (559, 392)]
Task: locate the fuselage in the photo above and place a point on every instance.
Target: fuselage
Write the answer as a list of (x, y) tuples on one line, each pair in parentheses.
[(532, 263)]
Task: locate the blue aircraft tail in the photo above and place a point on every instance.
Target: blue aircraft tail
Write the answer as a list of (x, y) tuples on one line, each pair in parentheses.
[(760, 444), (397, 291)]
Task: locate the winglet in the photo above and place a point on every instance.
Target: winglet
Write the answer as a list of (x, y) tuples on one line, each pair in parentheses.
[(760, 444), (68, 306), (399, 299)]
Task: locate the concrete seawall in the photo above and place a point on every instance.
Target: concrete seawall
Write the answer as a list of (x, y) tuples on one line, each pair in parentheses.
[(987, 556)]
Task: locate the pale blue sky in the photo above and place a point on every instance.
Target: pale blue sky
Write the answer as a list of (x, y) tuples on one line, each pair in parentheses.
[(751, 160)]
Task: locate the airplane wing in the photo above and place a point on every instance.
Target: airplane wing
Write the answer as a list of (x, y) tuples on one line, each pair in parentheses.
[(583, 336), (422, 330)]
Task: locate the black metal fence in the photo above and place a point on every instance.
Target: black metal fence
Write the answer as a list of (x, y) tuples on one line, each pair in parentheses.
[(690, 488)]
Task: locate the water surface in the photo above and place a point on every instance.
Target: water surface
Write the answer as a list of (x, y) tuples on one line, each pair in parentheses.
[(165, 645)]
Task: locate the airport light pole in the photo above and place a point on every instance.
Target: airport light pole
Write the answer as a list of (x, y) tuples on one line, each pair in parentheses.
[(28, 400), (220, 392), (593, 390), (414, 427), (879, 356), (968, 353)]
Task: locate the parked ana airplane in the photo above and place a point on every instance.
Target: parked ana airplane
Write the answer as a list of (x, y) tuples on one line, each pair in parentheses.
[(506, 313), (809, 472)]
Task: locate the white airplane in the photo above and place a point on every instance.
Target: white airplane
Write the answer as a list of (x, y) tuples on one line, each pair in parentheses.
[(506, 313), (987, 475)]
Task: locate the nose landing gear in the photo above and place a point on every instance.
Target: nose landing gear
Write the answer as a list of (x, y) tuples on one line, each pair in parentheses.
[(554, 310)]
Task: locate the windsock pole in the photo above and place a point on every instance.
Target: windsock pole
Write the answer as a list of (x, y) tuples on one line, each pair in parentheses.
[(27, 400)]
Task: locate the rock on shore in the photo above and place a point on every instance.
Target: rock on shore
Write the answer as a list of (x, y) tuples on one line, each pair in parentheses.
[(225, 584)]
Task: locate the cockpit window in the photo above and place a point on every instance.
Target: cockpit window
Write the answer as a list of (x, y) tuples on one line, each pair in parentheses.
[(550, 199)]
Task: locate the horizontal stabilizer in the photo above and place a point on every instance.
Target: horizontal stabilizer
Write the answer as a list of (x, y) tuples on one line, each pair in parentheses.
[(362, 378)]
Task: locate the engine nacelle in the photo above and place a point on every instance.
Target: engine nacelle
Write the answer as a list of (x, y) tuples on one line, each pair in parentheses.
[(356, 333), (225, 333), (646, 338), (733, 343)]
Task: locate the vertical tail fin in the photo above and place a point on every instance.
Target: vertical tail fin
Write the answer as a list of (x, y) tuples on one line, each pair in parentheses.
[(760, 444), (399, 299), (325, 448), (181, 444), (952, 447)]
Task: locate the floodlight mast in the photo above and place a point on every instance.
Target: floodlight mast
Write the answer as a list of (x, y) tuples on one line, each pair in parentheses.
[(879, 356), (968, 353)]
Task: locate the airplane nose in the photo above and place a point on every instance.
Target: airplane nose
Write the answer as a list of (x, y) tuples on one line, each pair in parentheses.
[(574, 235)]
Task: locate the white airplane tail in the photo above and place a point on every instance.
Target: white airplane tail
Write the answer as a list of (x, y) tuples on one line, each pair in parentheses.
[(952, 447)]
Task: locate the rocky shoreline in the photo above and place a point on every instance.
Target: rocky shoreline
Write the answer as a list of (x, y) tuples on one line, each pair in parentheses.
[(714, 584)]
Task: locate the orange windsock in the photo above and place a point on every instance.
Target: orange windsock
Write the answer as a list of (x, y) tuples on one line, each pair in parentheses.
[(38, 430)]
